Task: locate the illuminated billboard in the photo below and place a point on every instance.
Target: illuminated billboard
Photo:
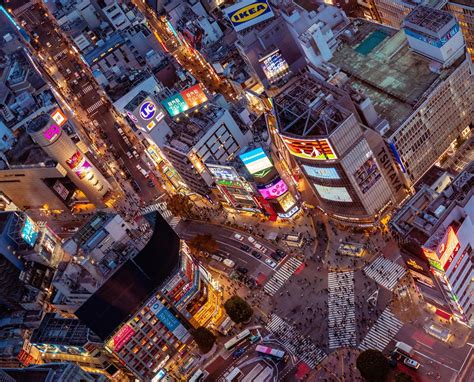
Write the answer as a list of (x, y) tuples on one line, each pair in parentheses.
[(448, 248), (247, 13), (167, 319), (336, 194), (367, 175), (273, 190), (223, 172), (314, 149), (29, 232), (147, 115), (58, 117), (185, 100), (51, 132), (122, 337), (79, 165), (286, 201), (256, 162), (194, 96), (321, 172), (274, 66)]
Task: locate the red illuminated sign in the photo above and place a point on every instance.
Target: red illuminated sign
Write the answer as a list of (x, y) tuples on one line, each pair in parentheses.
[(314, 149), (448, 248), (194, 96), (123, 336)]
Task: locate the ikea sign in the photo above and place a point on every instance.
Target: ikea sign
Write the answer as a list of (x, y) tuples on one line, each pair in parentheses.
[(247, 13)]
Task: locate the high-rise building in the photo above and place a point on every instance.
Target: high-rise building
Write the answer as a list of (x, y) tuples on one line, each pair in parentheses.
[(52, 138), (464, 12), (422, 89), (318, 133), (440, 223)]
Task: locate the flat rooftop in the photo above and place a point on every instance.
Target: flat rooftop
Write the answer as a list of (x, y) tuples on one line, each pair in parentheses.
[(379, 62)]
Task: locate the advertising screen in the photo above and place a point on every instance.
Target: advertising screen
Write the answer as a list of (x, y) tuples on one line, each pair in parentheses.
[(314, 149), (321, 172), (247, 13), (194, 96), (367, 175), (147, 115), (256, 161), (79, 165), (58, 117), (336, 194), (175, 105), (223, 172), (274, 66), (122, 337), (273, 190), (286, 201), (51, 132), (29, 232), (448, 248), (168, 319)]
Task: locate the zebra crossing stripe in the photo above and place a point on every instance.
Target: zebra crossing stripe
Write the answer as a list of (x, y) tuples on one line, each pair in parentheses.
[(282, 275), (87, 89), (174, 222), (384, 329), (385, 272), (302, 347), (341, 310), (94, 107)]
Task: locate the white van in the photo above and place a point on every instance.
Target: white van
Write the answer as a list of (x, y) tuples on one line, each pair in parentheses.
[(229, 263), (260, 247)]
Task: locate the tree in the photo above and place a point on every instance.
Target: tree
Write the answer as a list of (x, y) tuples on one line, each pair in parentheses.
[(402, 377), (238, 310), (180, 205), (373, 365), (204, 339), (200, 244)]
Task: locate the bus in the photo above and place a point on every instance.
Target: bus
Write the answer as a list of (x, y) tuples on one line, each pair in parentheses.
[(198, 376), (237, 339), (349, 249), (275, 353), (440, 333), (233, 375), (225, 326)]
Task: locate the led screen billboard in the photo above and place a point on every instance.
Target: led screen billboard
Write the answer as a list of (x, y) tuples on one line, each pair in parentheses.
[(286, 201), (51, 132), (58, 117), (314, 149), (367, 175), (256, 161), (247, 13), (79, 165), (29, 232), (223, 172), (321, 172), (122, 337), (274, 66), (185, 100), (273, 190), (168, 319), (336, 194)]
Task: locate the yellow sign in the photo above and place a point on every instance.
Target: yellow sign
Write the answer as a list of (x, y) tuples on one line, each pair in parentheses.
[(249, 12)]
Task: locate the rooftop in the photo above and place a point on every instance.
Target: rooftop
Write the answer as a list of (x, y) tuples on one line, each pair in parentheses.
[(379, 62), (430, 20), (309, 107)]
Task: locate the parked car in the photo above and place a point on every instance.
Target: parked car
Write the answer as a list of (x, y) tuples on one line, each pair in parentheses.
[(261, 248), (229, 263), (238, 352), (135, 154), (238, 236), (150, 183), (245, 248), (129, 155), (411, 363), (242, 270), (270, 262), (256, 255), (251, 239)]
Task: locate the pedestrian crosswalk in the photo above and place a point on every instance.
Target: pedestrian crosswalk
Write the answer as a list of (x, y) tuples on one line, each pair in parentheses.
[(94, 107), (162, 208), (174, 221), (384, 329), (385, 272), (341, 310), (87, 89), (282, 275), (297, 344)]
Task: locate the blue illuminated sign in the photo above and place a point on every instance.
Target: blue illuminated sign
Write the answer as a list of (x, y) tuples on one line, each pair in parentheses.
[(29, 232), (435, 42), (168, 320), (147, 110)]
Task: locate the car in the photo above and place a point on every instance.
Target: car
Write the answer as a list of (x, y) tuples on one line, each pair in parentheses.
[(129, 155), (411, 363), (238, 236), (275, 256), (120, 131), (135, 154), (135, 186), (229, 263), (260, 247), (238, 352), (217, 258), (280, 253), (245, 248), (242, 270), (150, 183), (256, 255), (270, 262), (251, 239)]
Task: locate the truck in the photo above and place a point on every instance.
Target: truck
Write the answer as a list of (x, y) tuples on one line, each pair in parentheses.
[(404, 348)]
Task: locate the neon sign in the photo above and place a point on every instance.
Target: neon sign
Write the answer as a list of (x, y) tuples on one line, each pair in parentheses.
[(147, 110), (51, 132), (59, 117)]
